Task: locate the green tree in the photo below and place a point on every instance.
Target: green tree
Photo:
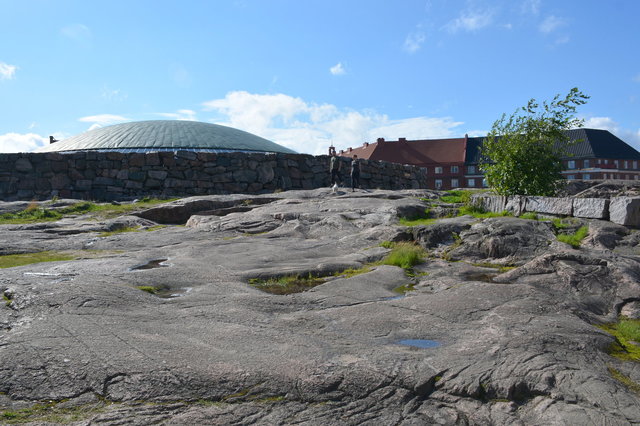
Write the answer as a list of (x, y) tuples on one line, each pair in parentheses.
[(522, 154)]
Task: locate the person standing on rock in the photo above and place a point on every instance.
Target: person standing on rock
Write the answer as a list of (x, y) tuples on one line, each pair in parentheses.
[(334, 168), (355, 173)]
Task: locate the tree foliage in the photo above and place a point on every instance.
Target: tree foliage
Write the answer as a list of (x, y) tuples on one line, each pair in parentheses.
[(522, 154)]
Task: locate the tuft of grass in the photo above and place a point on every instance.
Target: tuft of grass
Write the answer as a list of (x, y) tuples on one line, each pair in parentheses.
[(576, 238), (286, 284), (387, 244), (456, 197), (351, 272), (13, 260), (405, 255), (627, 334)]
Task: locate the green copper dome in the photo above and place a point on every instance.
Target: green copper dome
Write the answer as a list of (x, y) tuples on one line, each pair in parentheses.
[(166, 135)]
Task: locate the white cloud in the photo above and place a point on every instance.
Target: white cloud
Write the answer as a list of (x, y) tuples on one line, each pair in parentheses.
[(550, 24), (113, 94), (337, 69), (414, 42), (79, 33), (16, 142), (102, 120), (607, 123), (470, 21), (181, 114), (311, 128), (530, 6), (7, 71)]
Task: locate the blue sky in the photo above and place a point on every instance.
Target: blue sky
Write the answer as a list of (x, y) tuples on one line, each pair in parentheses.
[(309, 73)]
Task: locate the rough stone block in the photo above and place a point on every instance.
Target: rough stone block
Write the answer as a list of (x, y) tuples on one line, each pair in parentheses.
[(515, 204), (593, 208), (23, 165), (157, 174), (625, 211), (549, 205)]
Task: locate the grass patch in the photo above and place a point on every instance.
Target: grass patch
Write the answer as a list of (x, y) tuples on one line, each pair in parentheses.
[(155, 228), (36, 214), (405, 255), (13, 260), (529, 215), (576, 238), (480, 213), (627, 334), (421, 219), (456, 197), (148, 288), (351, 272), (286, 284), (404, 289)]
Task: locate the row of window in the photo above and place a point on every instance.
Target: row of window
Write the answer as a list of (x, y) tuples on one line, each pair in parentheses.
[(438, 170), (571, 164), (455, 183), (587, 176)]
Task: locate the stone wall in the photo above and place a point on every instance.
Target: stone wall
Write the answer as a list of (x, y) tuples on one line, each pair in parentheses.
[(120, 176), (621, 210)]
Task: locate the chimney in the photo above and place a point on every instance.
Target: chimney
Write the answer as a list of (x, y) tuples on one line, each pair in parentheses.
[(52, 139), (366, 144), (402, 139), (350, 149), (380, 140)]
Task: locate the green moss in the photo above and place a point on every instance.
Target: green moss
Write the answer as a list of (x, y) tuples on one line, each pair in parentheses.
[(616, 374), (50, 413), (575, 239), (404, 289), (7, 299), (13, 260), (148, 288)]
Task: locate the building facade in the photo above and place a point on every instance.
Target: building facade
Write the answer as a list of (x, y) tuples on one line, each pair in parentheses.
[(455, 163)]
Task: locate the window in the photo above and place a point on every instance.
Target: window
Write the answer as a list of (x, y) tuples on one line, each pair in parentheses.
[(626, 164), (635, 164), (438, 183), (471, 169), (471, 183), (454, 183), (454, 169), (438, 170), (484, 183), (605, 161), (616, 163), (586, 176), (586, 164), (571, 177), (571, 164)]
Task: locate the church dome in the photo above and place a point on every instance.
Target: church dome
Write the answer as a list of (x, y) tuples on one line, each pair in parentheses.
[(166, 135)]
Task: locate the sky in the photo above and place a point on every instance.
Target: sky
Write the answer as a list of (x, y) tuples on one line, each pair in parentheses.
[(308, 74)]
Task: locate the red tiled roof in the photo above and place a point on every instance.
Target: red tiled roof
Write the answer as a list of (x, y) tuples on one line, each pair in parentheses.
[(418, 152)]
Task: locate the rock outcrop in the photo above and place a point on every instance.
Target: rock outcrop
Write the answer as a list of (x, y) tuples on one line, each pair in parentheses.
[(497, 325)]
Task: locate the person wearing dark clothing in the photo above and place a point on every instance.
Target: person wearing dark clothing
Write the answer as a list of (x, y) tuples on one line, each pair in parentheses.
[(334, 168), (355, 173)]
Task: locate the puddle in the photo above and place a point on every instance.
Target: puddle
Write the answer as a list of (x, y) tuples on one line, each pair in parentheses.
[(480, 276), (158, 263), (419, 343), (173, 292), (395, 297)]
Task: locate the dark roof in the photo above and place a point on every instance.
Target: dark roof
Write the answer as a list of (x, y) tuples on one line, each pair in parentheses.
[(593, 143), (164, 135)]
